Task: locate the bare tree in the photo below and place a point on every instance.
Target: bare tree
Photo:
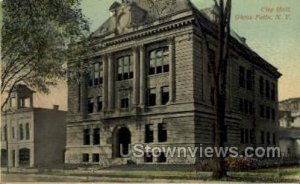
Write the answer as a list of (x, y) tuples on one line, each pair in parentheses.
[(219, 65)]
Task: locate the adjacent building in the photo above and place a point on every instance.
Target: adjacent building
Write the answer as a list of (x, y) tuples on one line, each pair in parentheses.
[(149, 82), (31, 137), (289, 141)]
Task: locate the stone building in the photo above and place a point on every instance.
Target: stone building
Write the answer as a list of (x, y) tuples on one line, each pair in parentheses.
[(34, 137), (150, 83), (289, 137)]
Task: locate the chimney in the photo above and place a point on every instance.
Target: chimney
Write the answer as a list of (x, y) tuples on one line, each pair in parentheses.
[(243, 39), (56, 107)]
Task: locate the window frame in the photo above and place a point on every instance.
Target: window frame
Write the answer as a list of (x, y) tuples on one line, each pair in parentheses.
[(123, 75), (154, 58), (164, 94)]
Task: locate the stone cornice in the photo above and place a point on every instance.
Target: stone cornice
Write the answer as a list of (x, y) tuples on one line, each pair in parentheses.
[(148, 31)]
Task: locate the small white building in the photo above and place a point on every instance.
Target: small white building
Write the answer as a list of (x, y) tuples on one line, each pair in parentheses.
[(289, 138), (34, 137)]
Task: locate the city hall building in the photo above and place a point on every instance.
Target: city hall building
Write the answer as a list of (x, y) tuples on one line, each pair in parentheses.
[(149, 83)]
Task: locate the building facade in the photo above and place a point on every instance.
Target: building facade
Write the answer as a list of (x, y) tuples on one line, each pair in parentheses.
[(31, 137), (289, 137), (149, 83)]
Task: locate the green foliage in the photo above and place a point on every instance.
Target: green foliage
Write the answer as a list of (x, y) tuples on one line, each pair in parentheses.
[(35, 39)]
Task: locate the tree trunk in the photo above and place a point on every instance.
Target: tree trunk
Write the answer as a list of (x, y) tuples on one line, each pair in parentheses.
[(219, 83)]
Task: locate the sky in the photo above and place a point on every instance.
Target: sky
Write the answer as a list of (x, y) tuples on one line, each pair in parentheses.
[(277, 39)]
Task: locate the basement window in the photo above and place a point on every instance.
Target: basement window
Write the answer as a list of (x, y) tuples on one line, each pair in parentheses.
[(85, 157), (148, 157), (162, 158), (96, 157)]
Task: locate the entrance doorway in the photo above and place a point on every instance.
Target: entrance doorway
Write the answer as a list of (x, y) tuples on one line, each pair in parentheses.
[(24, 157), (121, 142)]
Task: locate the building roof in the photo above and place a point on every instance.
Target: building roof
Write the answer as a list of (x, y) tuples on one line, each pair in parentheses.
[(146, 13)]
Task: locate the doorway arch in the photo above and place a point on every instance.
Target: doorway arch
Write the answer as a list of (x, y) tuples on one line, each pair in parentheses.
[(121, 137)]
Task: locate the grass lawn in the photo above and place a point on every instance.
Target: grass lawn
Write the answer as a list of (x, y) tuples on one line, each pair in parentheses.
[(181, 173), (283, 174)]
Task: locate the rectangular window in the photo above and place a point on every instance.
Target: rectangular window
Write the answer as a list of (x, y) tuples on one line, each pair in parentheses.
[(96, 136), (95, 76), (27, 131), (125, 68), (86, 137), (91, 79), (212, 96), (125, 103), (242, 77), (225, 133), (164, 95), (249, 80), (262, 111), (96, 67), (273, 92), (274, 139), (246, 106), (151, 97), (211, 55), (242, 136), (5, 132), (96, 157), (246, 136), (261, 86), (251, 108), (241, 105), (268, 138), (90, 105), (262, 137), (267, 89), (148, 157), (162, 132), (158, 61), (252, 137), (268, 113), (273, 114), (99, 103), (85, 157), (21, 132), (149, 133)]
